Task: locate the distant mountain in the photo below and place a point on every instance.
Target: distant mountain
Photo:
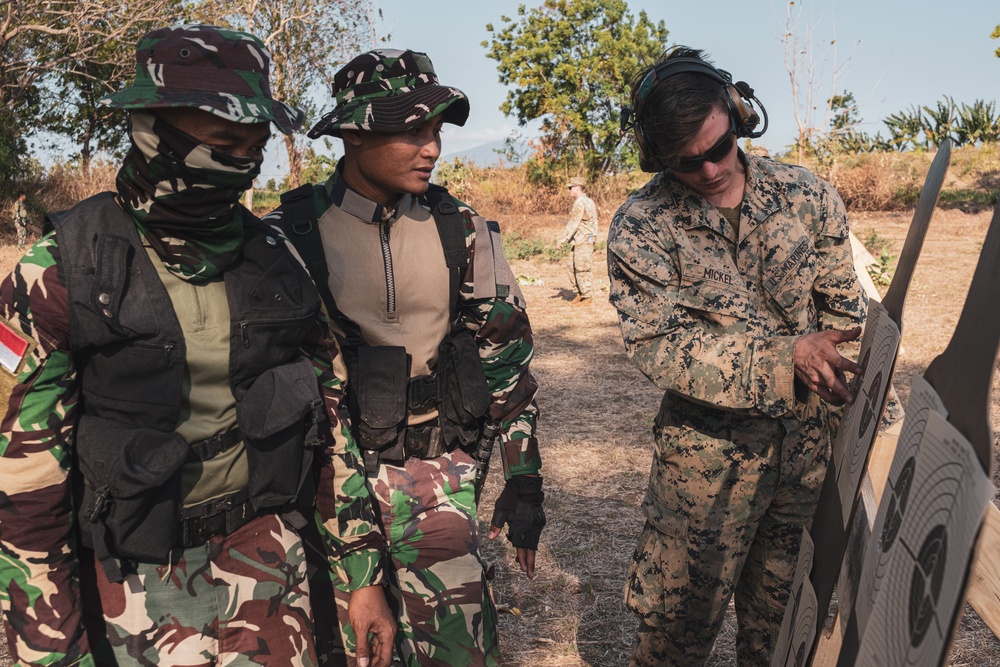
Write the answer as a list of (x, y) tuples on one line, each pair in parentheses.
[(485, 155)]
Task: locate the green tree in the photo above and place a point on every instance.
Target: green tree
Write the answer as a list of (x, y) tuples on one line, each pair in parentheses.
[(938, 121), (904, 128), (570, 63), (977, 123), (996, 35)]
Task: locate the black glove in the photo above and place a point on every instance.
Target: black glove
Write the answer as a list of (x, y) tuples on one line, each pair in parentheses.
[(520, 505)]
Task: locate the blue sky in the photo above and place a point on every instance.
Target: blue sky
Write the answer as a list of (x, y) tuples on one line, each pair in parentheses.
[(894, 53), (890, 54)]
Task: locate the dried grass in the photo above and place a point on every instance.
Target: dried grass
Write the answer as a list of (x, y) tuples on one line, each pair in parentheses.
[(871, 185), (595, 429)]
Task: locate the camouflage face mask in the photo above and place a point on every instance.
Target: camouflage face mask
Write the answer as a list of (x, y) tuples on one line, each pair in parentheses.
[(183, 196)]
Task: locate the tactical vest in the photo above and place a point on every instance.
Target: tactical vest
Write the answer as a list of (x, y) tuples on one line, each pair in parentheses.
[(380, 391), (129, 352)]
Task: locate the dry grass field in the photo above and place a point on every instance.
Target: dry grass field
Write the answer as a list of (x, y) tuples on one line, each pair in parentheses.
[(595, 429)]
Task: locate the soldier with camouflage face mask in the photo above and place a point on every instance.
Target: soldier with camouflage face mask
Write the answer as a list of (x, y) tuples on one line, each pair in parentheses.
[(172, 400), (437, 344)]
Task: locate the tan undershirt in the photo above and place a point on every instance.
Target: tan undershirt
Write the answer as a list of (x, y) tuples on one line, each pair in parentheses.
[(420, 279)]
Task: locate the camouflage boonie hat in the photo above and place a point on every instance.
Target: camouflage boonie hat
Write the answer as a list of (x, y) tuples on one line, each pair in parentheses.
[(224, 72), (576, 180), (388, 90)]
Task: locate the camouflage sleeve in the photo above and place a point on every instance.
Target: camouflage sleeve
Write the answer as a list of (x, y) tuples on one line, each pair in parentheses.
[(575, 217), (343, 504), (39, 585), (708, 362), (493, 308)]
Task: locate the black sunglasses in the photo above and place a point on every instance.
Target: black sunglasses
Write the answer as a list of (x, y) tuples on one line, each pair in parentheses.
[(716, 153)]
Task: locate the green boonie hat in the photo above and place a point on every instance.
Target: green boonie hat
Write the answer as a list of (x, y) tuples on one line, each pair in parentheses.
[(388, 90), (224, 72), (577, 180)]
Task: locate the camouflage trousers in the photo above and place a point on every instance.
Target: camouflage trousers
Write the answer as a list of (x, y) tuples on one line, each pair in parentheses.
[(437, 583), (241, 599), (728, 498), (583, 274), (22, 234)]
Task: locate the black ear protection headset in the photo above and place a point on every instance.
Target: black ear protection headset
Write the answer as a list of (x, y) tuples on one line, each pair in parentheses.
[(738, 98)]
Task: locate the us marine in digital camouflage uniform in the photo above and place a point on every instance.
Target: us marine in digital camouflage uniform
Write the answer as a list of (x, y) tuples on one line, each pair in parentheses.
[(734, 283), (581, 231), (436, 340), (175, 405)]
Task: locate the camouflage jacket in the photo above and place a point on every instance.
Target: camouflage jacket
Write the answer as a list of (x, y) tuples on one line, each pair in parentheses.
[(582, 221), (490, 305), (39, 567), (715, 322), (19, 212)]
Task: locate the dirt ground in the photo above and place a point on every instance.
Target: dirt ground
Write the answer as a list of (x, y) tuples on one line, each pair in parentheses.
[(595, 430)]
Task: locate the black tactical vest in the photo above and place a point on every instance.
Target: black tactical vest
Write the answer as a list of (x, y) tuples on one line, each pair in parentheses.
[(129, 351)]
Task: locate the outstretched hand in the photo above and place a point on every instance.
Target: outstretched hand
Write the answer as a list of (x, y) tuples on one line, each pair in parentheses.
[(820, 366), (374, 626)]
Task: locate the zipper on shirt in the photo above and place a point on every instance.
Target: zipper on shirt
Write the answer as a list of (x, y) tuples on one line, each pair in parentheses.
[(390, 279)]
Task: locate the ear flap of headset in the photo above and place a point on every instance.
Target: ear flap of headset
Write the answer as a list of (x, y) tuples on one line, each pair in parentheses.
[(744, 115)]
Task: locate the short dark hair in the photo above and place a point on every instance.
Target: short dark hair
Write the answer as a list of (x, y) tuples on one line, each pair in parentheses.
[(677, 107)]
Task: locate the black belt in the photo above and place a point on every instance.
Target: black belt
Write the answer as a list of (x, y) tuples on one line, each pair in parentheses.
[(209, 448), (222, 516)]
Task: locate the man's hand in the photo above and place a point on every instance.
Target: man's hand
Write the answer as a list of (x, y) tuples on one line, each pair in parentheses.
[(520, 505), (525, 556), (820, 367), (374, 626)]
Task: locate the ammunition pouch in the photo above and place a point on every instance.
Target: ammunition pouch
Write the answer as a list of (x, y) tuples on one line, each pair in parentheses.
[(382, 395), (130, 505), (280, 416), (378, 397), (465, 394)]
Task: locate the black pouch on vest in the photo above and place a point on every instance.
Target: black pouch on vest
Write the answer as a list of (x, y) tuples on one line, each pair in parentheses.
[(280, 417), (378, 392), (130, 507), (465, 395)]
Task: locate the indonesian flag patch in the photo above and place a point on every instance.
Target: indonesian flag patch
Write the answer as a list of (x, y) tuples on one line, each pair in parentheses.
[(13, 347)]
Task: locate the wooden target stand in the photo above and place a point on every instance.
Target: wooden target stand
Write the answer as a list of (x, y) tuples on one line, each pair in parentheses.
[(962, 377)]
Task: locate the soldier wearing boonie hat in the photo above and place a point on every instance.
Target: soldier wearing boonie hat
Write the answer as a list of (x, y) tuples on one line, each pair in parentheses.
[(161, 350), (436, 340), (581, 231)]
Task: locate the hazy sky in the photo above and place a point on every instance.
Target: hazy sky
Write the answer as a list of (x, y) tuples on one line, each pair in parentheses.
[(890, 54), (893, 53)]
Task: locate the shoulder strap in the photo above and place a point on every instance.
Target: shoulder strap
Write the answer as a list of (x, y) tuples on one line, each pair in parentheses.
[(301, 209), (451, 229)]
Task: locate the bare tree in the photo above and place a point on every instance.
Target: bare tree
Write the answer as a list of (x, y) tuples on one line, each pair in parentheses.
[(308, 40), (57, 57), (804, 74), (41, 38)]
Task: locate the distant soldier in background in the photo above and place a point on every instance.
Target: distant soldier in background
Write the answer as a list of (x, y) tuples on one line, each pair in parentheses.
[(20, 215), (581, 231)]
